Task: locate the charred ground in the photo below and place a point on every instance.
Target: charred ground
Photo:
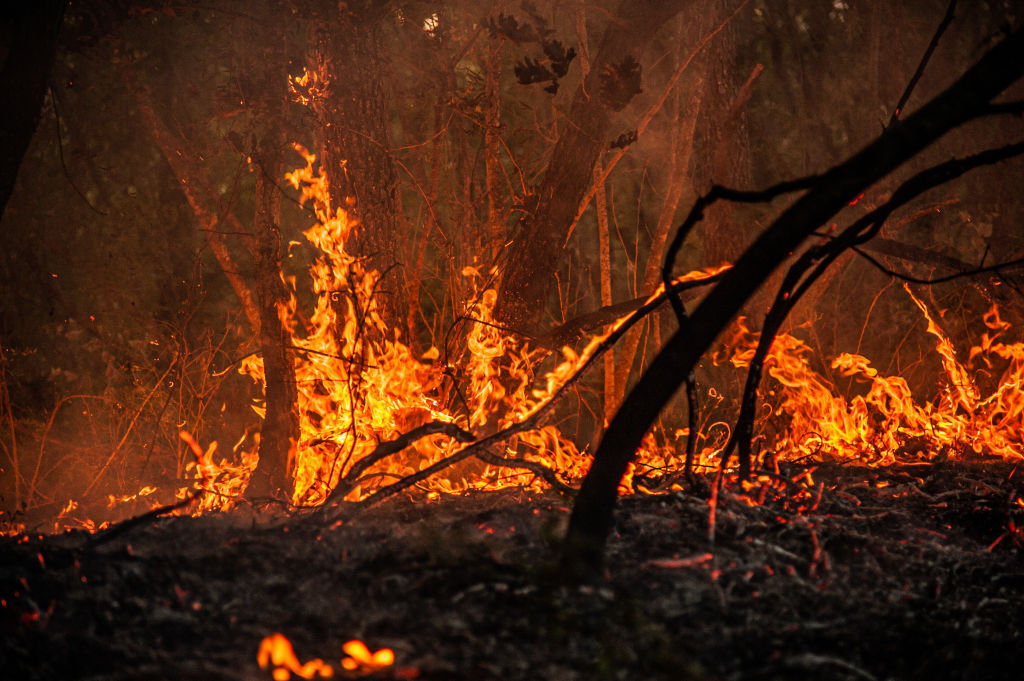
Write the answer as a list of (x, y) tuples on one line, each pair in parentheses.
[(912, 572)]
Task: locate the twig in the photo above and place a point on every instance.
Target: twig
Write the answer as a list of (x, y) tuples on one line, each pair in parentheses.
[(576, 328), (946, 20), (808, 660), (535, 467)]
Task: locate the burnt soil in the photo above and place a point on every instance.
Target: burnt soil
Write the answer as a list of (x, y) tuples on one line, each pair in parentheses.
[(913, 572)]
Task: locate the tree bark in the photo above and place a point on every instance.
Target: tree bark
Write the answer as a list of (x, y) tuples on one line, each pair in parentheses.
[(968, 97), (279, 435), (536, 249)]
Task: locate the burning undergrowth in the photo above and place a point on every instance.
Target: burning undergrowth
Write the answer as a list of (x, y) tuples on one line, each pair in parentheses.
[(481, 404)]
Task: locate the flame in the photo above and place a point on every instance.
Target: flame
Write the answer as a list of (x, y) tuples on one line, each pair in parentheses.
[(361, 659), (221, 483), (888, 421), (359, 385), (276, 651)]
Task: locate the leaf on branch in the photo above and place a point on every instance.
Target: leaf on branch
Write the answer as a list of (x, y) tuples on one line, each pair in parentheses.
[(532, 71), (509, 27), (620, 83), (560, 56), (625, 139)]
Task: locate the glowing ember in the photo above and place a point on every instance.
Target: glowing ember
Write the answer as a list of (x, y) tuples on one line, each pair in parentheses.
[(276, 652), (361, 659)]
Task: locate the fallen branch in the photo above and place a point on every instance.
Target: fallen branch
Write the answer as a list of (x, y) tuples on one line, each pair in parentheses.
[(386, 449), (117, 529)]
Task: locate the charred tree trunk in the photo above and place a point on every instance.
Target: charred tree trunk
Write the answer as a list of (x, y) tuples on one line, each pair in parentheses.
[(33, 28), (280, 432), (536, 249), (279, 435), (968, 98)]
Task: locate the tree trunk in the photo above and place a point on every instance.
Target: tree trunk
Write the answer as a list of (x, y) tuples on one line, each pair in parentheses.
[(536, 249), (722, 131), (591, 518), (279, 435), (280, 432), (681, 149)]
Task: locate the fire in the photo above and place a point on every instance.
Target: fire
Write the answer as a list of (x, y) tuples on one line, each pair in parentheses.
[(360, 385), (221, 483), (888, 421), (276, 651), (361, 659)]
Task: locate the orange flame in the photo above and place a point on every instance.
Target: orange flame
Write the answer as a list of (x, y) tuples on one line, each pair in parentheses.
[(276, 651), (361, 659), (888, 420)]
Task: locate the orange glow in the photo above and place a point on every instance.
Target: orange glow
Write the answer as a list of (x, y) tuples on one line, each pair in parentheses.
[(889, 421), (360, 658), (276, 651), (359, 384)]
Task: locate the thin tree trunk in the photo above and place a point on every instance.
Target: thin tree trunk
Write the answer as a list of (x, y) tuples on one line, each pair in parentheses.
[(604, 245), (681, 143), (280, 432), (605, 257), (722, 130), (492, 147), (178, 157)]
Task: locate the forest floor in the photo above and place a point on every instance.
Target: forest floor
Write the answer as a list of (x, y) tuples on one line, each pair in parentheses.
[(911, 572)]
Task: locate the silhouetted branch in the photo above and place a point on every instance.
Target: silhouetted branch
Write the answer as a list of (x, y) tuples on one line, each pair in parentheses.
[(386, 449), (577, 328), (943, 25)]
